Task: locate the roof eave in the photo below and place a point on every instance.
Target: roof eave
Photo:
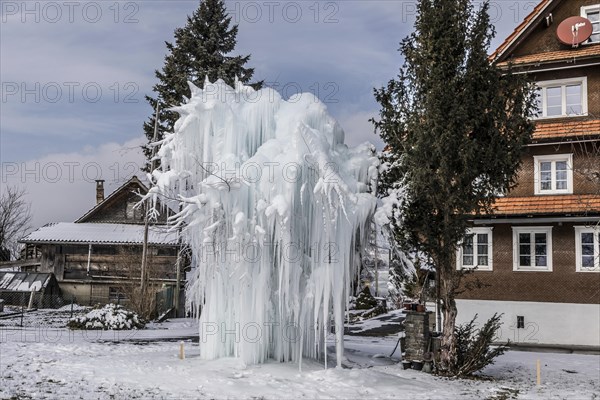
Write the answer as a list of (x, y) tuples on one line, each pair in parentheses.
[(84, 242), (503, 49)]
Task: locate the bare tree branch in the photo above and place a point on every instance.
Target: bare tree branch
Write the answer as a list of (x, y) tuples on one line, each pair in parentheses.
[(15, 218)]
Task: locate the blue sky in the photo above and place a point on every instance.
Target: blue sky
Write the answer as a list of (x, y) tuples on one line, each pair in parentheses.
[(74, 77)]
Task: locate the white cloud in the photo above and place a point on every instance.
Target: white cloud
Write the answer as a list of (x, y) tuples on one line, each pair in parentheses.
[(61, 186)]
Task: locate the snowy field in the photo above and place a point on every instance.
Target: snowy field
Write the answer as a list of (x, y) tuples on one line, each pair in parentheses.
[(51, 362)]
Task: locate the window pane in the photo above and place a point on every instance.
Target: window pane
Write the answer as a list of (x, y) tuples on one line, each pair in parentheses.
[(587, 261), (540, 250), (540, 240), (594, 18), (587, 237), (587, 249), (554, 94), (574, 100), (546, 181), (482, 238), (540, 261), (524, 249), (482, 249), (546, 166), (561, 175), (482, 252), (554, 101), (468, 245), (468, 251)]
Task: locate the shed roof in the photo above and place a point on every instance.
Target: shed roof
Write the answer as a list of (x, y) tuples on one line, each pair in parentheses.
[(24, 281), (101, 233)]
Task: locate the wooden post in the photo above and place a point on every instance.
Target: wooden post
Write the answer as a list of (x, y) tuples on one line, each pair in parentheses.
[(31, 297), (539, 373), (178, 284), (376, 266), (181, 351), (144, 268)]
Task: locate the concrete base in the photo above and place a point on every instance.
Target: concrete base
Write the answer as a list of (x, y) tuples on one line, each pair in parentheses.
[(559, 325)]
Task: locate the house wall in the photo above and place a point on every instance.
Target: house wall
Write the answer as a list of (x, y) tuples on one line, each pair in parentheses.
[(121, 209), (543, 39), (562, 306), (585, 156), (563, 324), (561, 285), (112, 267)]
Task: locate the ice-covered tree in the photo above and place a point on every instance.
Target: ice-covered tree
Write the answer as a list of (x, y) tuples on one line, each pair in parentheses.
[(455, 126), (276, 210), (202, 48)]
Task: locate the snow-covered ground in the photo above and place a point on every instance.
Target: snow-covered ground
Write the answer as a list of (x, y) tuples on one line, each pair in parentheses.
[(51, 362)]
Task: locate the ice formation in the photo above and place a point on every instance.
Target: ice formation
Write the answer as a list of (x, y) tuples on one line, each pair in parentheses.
[(275, 208)]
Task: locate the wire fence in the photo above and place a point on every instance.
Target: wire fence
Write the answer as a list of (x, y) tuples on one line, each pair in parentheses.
[(33, 309)]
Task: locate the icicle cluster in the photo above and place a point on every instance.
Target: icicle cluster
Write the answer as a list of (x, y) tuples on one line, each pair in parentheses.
[(275, 208)]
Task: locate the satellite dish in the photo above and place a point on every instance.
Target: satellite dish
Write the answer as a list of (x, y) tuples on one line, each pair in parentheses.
[(574, 31)]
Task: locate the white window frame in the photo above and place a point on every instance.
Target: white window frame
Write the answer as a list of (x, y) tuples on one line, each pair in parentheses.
[(459, 253), (553, 158), (584, 13), (544, 85), (587, 229), (532, 230)]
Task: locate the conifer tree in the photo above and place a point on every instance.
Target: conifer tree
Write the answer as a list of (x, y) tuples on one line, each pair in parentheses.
[(455, 127), (202, 48)]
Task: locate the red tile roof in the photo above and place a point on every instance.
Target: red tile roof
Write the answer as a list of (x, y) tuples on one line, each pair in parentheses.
[(581, 53), (561, 129), (544, 205), (520, 28)]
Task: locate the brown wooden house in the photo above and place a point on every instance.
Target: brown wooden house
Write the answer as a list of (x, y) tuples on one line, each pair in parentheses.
[(98, 255), (537, 258)]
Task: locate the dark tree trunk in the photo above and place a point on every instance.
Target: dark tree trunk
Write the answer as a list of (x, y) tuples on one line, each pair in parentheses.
[(448, 279)]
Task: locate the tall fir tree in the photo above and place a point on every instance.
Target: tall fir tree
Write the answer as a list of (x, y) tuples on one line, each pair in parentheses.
[(455, 126), (202, 48)]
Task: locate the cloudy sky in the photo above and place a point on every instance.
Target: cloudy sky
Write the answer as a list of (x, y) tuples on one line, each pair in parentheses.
[(74, 77)]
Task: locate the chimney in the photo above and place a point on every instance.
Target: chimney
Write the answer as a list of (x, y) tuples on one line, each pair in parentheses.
[(99, 191)]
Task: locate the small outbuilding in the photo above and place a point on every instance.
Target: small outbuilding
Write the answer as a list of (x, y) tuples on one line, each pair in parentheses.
[(16, 289)]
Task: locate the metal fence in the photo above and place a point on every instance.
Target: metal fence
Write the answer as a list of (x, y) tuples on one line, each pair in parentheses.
[(21, 308), (35, 309), (31, 300)]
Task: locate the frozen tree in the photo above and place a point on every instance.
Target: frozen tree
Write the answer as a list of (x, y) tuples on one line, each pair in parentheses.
[(202, 48), (276, 210), (455, 126), (15, 217)]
